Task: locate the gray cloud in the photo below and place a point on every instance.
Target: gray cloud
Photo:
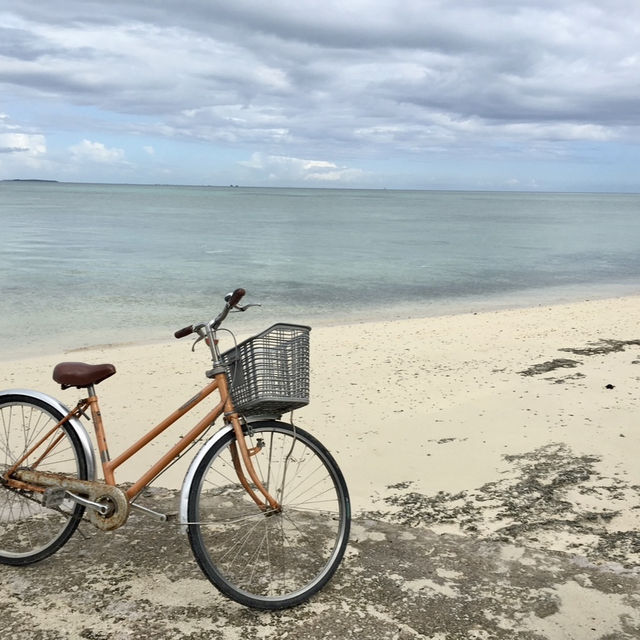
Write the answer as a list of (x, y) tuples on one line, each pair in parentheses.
[(285, 76)]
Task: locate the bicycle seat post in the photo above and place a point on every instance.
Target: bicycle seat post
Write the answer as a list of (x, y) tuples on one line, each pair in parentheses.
[(101, 439)]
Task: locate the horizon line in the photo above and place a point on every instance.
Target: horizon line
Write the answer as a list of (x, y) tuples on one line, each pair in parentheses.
[(318, 188)]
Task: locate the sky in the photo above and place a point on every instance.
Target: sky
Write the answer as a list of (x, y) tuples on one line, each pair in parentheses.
[(453, 94)]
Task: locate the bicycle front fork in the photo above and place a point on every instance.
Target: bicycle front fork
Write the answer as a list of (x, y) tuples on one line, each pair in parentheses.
[(243, 456)]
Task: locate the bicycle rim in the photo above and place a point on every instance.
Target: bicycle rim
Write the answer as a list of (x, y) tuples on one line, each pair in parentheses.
[(29, 531), (264, 559)]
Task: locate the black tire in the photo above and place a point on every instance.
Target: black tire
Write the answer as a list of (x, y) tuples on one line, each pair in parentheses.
[(30, 532), (270, 560)]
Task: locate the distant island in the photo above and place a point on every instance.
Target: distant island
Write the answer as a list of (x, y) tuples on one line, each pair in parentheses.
[(28, 180)]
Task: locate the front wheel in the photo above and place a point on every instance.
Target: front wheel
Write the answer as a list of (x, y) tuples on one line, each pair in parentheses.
[(265, 559)]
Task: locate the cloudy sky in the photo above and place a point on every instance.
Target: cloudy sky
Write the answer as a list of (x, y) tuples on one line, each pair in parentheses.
[(461, 94)]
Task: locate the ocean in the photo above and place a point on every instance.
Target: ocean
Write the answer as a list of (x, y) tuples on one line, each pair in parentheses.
[(87, 264)]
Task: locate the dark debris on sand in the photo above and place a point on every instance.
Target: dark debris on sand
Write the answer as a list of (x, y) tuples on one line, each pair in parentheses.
[(601, 347), (534, 504)]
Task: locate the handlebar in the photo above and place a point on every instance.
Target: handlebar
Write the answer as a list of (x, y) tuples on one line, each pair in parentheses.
[(185, 331), (231, 302), (236, 296)]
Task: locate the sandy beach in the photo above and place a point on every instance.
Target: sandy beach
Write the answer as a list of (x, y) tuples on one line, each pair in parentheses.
[(517, 427)]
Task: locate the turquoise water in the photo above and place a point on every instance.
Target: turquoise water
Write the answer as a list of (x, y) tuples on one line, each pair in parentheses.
[(88, 264)]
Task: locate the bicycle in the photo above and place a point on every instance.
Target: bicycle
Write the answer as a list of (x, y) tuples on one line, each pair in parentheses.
[(264, 504)]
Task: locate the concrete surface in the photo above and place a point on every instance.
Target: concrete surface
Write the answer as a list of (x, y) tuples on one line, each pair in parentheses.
[(397, 582)]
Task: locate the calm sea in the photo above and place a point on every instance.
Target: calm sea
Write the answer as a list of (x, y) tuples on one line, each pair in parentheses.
[(84, 264)]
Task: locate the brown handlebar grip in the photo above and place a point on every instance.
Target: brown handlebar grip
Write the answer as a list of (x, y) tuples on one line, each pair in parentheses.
[(181, 333), (236, 296)]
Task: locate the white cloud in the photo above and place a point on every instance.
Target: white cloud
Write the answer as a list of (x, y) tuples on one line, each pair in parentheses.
[(22, 153), (288, 169), (32, 145), (96, 152)]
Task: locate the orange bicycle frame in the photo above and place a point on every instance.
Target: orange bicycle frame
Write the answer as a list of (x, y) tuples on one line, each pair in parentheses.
[(109, 466)]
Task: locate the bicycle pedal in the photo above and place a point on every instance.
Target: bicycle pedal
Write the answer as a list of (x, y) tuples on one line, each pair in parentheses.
[(53, 497)]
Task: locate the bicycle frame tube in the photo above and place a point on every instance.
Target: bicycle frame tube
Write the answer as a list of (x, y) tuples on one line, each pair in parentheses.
[(109, 466), (225, 405)]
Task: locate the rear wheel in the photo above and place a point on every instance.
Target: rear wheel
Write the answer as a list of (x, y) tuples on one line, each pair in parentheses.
[(265, 559), (29, 531)]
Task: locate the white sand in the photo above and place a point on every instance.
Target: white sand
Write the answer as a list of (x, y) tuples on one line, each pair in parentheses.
[(436, 401)]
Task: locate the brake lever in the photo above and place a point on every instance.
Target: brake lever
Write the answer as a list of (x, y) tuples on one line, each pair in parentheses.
[(246, 306), (195, 342), (199, 329)]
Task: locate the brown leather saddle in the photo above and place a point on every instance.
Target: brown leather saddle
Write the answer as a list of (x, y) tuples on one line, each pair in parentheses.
[(81, 375)]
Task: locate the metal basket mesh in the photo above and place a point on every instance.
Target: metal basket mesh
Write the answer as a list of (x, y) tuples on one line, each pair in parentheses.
[(269, 372)]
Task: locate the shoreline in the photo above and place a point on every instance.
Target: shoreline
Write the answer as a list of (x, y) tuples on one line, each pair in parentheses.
[(250, 324), (517, 423)]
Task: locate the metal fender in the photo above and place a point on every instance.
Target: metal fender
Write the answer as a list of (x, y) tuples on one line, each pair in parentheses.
[(74, 423), (188, 478)]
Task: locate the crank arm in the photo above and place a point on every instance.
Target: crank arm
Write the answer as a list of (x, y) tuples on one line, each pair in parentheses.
[(163, 517), (102, 509), (54, 496)]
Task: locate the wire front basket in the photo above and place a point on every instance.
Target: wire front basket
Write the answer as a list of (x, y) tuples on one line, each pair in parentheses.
[(269, 372)]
